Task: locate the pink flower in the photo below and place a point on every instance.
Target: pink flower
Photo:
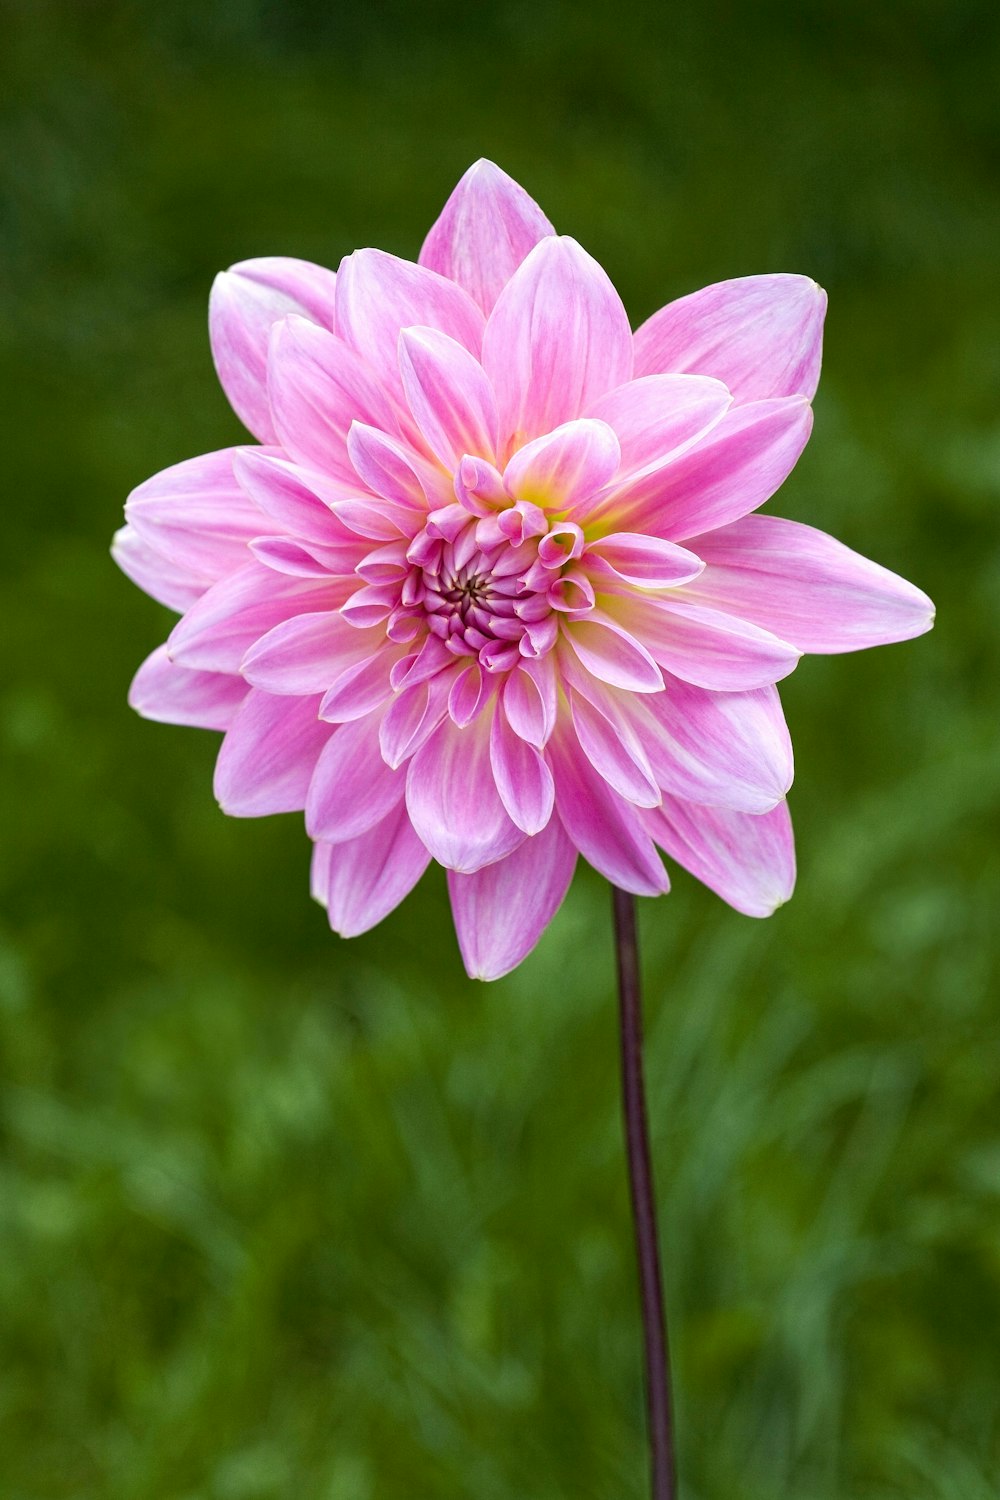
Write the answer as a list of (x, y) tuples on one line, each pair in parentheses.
[(491, 591)]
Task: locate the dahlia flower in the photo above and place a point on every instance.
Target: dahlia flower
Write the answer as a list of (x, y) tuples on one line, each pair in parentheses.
[(492, 589)]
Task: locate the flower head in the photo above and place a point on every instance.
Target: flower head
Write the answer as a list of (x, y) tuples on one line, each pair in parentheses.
[(491, 590)]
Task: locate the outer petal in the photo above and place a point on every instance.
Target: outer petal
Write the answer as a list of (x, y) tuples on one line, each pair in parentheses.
[(522, 777), (217, 631), (352, 788), (453, 800), (501, 911), (608, 832), (268, 756), (178, 588), (451, 400), (744, 458), (806, 587), (362, 880), (283, 492), (196, 515), (708, 647), (557, 339), (748, 861), (246, 301), (484, 232), (318, 385), (378, 295), (762, 335), (723, 749), (173, 695)]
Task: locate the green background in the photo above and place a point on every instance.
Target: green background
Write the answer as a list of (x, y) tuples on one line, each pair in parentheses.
[(282, 1216)]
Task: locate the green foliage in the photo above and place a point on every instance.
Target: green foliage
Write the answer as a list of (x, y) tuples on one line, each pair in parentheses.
[(282, 1216)]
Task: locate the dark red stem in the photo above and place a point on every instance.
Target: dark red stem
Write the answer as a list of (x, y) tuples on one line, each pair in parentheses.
[(640, 1168)]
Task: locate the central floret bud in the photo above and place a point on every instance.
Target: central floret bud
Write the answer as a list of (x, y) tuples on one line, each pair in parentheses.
[(489, 587)]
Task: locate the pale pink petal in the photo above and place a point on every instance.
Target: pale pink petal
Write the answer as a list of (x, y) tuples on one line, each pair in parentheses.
[(220, 628), (660, 415), (724, 749), (362, 687), (530, 700), (501, 911), (613, 654), (749, 861), (268, 756), (615, 753), (173, 695), (453, 800), (484, 232), (352, 788), (557, 339), (362, 880), (745, 457), (246, 302), (281, 490), (412, 717), (285, 555), (307, 653), (522, 777), (178, 588), (807, 587), (468, 694), (196, 515), (647, 562), (318, 385), (607, 831), (391, 469), (565, 467), (451, 400), (378, 295), (707, 647), (762, 335)]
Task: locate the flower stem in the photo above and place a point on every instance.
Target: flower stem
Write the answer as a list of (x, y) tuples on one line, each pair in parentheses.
[(661, 1441)]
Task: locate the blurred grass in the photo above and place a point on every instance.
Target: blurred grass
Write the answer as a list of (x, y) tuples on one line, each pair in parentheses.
[(281, 1216)]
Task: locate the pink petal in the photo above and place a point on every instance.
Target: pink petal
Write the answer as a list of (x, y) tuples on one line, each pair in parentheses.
[(352, 788), (362, 880), (749, 861), (451, 400), (268, 755), (615, 753), (607, 831), (453, 800), (172, 695), (530, 700), (565, 467), (522, 777), (647, 562), (378, 295), (246, 301), (484, 232), (762, 335), (196, 515), (660, 415), (411, 718), (306, 653), (318, 385), (362, 687), (220, 628), (557, 339), (708, 647), (178, 588), (392, 469), (725, 749), (745, 457), (285, 555), (281, 490), (807, 587), (501, 911), (612, 654)]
